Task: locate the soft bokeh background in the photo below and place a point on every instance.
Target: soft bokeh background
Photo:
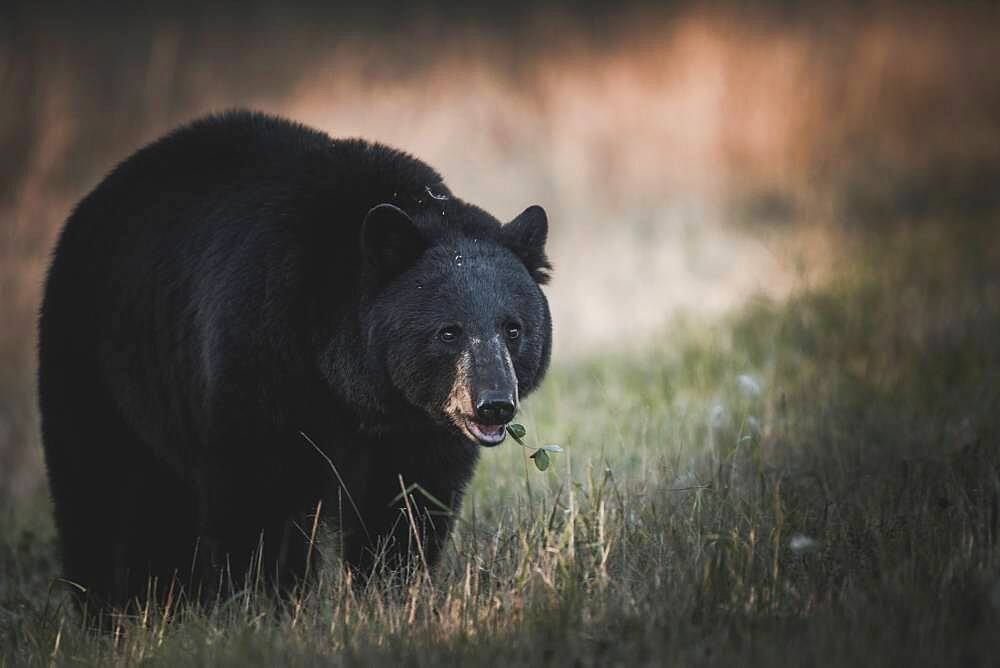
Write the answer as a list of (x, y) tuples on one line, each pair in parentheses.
[(689, 158)]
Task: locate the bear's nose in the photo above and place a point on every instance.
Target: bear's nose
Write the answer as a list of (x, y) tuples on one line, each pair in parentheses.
[(494, 407)]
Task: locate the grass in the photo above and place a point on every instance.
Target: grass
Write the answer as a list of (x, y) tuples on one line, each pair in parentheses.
[(815, 482)]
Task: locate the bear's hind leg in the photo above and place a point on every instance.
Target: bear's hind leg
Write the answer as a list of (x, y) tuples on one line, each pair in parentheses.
[(120, 515), (82, 439)]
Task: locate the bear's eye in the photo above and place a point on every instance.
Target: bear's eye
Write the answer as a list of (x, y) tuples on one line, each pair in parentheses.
[(513, 331), (450, 333)]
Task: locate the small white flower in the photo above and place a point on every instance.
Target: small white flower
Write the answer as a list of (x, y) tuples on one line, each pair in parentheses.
[(748, 385), (717, 416), (802, 544)]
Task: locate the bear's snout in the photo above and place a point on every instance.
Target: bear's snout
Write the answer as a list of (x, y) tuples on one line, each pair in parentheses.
[(495, 407), (483, 397)]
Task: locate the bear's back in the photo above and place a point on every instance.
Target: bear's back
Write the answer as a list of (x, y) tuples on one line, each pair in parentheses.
[(208, 188), (222, 156)]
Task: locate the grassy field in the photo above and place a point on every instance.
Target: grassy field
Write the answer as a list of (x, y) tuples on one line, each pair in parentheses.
[(814, 482), (811, 477)]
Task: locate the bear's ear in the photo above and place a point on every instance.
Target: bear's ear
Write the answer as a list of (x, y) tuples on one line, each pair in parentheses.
[(526, 236), (390, 240)]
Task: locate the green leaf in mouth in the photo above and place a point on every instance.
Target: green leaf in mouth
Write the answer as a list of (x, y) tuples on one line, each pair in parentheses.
[(517, 431)]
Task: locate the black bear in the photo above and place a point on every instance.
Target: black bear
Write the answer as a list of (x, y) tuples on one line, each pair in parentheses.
[(248, 317)]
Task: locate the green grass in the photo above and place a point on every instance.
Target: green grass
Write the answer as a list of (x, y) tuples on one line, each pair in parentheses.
[(815, 482)]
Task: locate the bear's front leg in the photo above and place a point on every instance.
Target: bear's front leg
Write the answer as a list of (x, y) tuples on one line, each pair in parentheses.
[(407, 531), (252, 527)]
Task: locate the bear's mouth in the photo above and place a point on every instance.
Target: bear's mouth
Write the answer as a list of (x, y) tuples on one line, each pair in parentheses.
[(486, 435)]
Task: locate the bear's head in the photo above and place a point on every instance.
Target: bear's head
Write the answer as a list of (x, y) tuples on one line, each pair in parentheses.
[(455, 321)]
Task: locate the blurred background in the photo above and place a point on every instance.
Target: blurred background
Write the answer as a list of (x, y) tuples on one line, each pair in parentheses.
[(691, 157)]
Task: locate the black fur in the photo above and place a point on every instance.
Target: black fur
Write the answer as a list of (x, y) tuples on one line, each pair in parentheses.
[(226, 291)]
